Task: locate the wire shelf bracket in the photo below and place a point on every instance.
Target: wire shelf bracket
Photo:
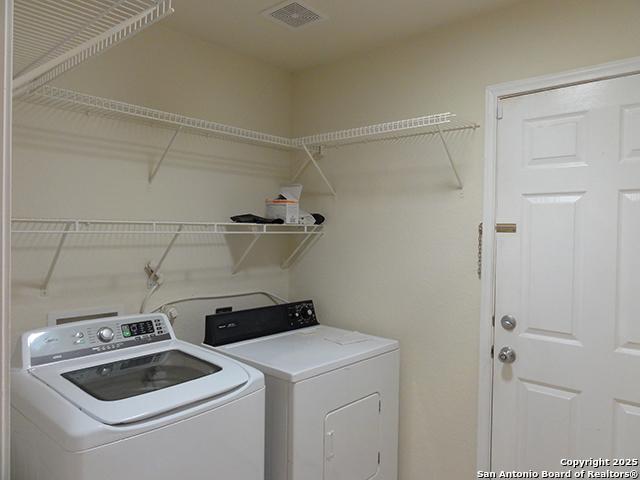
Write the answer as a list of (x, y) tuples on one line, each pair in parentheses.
[(67, 36), (56, 257), (305, 164), (153, 273), (245, 254), (311, 159), (302, 247), (445, 145), (164, 154)]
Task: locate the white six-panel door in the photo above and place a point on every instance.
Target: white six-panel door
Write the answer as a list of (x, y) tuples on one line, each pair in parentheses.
[(568, 175)]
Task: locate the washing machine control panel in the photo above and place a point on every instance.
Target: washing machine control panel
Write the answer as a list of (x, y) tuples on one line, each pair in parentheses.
[(231, 327), (79, 339)]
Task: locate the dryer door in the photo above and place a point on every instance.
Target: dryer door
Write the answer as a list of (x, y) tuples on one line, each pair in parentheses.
[(352, 440)]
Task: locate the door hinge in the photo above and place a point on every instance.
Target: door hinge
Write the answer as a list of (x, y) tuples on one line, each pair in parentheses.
[(499, 110), (379, 405), (492, 351), (378, 458), (493, 320)]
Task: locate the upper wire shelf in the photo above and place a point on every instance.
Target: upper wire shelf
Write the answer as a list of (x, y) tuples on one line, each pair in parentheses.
[(430, 124), (54, 36), (71, 100), (312, 145)]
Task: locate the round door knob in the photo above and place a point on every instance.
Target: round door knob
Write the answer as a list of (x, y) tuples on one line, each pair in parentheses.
[(507, 355), (105, 334)]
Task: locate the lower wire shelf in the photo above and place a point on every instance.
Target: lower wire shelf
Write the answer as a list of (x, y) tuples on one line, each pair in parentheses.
[(173, 229)]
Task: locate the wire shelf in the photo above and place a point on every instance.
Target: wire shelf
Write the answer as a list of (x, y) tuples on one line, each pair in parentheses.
[(54, 36), (63, 228), (71, 100), (150, 227), (437, 124), (425, 125)]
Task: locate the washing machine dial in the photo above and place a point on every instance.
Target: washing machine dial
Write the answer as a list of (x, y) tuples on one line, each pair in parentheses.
[(105, 334)]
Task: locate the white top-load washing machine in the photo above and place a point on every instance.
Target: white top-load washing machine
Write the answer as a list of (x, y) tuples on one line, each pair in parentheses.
[(122, 398), (332, 394)]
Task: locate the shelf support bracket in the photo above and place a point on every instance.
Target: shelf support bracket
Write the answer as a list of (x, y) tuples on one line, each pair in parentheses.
[(243, 257), (304, 244), (306, 162), (154, 272), (56, 257), (311, 159), (156, 167), (450, 157)]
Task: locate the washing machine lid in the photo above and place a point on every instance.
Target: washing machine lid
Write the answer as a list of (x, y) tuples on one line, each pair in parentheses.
[(308, 352), (121, 388)]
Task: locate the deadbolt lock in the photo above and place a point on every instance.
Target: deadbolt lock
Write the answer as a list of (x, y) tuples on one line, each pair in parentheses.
[(508, 322)]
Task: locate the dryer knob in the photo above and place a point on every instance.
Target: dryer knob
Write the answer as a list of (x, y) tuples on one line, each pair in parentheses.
[(105, 334)]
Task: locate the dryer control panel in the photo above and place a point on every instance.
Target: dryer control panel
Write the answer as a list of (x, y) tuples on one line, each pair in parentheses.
[(231, 327), (301, 314), (79, 339)]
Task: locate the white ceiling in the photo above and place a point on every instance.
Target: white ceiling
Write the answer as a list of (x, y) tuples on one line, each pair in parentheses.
[(353, 26)]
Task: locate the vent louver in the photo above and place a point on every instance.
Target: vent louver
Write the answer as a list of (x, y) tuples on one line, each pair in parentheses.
[(294, 15)]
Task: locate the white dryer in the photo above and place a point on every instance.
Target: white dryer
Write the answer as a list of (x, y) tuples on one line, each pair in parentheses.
[(332, 394), (122, 398)]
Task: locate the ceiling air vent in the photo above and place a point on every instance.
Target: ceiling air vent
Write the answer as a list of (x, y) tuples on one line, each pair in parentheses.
[(293, 14)]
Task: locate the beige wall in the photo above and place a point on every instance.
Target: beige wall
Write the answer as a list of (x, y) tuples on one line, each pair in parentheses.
[(399, 255), (69, 165)]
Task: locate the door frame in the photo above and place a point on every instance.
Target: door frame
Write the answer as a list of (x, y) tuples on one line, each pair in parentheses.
[(493, 95), (6, 59)]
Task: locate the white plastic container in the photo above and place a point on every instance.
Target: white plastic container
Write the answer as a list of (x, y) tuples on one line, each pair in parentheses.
[(287, 205)]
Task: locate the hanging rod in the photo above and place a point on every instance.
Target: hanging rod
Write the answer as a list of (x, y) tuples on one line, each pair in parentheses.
[(53, 36)]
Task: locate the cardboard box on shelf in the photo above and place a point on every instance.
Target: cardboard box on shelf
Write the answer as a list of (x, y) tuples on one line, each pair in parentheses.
[(286, 205)]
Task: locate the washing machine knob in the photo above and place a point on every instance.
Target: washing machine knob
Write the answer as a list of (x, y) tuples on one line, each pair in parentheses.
[(105, 334)]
